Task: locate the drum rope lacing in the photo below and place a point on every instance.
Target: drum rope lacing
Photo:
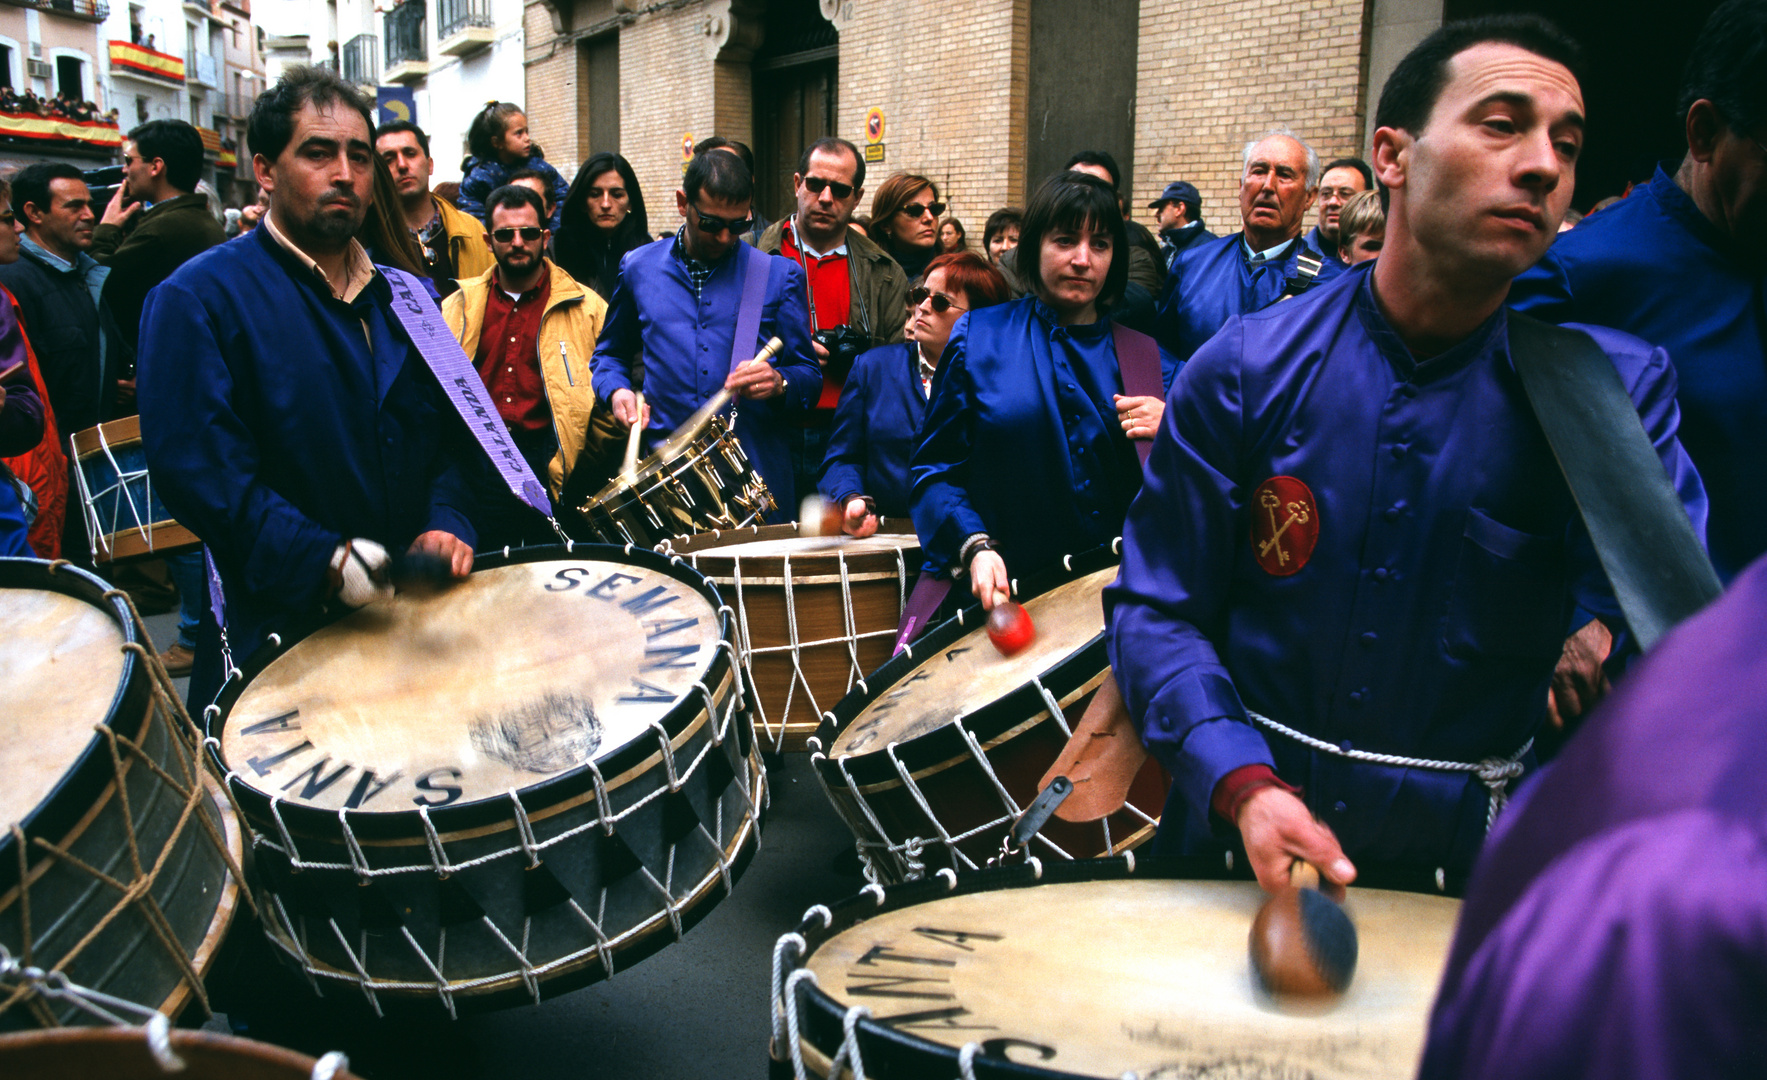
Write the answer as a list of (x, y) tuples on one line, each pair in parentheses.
[(1494, 772), (165, 710), (155, 1027), (291, 941), (885, 859)]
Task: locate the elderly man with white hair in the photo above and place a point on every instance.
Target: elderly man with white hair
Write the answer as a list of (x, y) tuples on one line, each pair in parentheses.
[(1253, 268)]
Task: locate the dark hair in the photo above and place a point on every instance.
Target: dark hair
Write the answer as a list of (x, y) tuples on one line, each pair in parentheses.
[(512, 196), (1352, 163), (383, 231), (719, 142), (1729, 65), (272, 122), (31, 185), (1073, 200), (983, 285), (723, 176), (962, 233), (830, 145), (1412, 89), (586, 253), (177, 144), (532, 174), (488, 126), (999, 220), (1101, 158), (399, 127), (893, 194)]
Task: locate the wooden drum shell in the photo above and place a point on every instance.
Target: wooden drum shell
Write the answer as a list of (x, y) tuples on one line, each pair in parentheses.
[(123, 1054), (789, 709), (91, 816)]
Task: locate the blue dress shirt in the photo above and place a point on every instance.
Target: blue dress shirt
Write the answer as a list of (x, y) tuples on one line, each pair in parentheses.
[(1434, 605), (876, 426), (1652, 265)]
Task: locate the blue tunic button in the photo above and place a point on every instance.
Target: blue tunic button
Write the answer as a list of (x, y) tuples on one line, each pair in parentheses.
[(1345, 746), (1356, 697), (1380, 573), (1340, 806), (1369, 638), (1399, 450)]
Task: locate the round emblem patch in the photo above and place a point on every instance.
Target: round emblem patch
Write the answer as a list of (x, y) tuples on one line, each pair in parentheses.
[(1285, 525)]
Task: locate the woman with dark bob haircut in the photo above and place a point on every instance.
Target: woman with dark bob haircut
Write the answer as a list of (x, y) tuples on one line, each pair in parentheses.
[(884, 399), (1026, 452), (603, 218)]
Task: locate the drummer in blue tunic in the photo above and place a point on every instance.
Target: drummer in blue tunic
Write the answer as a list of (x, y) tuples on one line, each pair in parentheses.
[(1352, 522), (1026, 453), (674, 316)]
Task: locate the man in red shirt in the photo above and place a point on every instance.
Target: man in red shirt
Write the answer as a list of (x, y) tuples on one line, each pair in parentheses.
[(852, 283), (530, 330)]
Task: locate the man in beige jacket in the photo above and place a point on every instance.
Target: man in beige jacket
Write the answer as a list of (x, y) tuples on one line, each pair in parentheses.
[(530, 330)]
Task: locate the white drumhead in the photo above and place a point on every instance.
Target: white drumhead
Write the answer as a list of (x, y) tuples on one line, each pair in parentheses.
[(499, 682), (970, 672), (1149, 976), (59, 672), (829, 546)]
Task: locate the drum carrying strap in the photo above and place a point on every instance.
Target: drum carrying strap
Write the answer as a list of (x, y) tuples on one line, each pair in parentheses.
[(1647, 545), (754, 269), (1138, 359), (461, 383)]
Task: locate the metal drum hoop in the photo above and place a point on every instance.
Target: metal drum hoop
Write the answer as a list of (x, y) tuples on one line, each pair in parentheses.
[(803, 1013)]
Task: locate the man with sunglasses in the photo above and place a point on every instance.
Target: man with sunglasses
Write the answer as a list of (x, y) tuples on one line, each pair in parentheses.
[(852, 283), (674, 316), (530, 330)]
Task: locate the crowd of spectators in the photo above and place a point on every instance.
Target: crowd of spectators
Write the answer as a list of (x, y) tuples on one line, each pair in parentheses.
[(62, 106)]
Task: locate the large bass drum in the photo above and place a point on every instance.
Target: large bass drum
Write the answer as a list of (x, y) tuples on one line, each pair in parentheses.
[(119, 861), (1101, 968), (814, 613), (934, 755), (500, 791), (130, 1054)]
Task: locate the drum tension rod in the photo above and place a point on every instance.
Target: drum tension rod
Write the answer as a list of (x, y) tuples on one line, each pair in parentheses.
[(1035, 817)]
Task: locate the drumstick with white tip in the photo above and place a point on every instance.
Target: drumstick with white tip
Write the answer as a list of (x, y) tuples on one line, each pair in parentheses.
[(630, 467), (722, 398)]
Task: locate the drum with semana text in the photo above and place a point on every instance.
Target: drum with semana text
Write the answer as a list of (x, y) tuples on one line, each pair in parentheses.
[(496, 792), (814, 614), (934, 755), (119, 855), (1099, 968)]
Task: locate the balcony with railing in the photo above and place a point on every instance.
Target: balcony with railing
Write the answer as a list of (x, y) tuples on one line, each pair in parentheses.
[(92, 11), (464, 26), (407, 51), (201, 69), (359, 60)]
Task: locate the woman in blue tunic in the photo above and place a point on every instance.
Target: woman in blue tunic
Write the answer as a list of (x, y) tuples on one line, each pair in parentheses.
[(1027, 450), (884, 400)]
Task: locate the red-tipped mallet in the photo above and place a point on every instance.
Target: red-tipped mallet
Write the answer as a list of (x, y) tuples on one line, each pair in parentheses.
[(818, 516), (1010, 627)]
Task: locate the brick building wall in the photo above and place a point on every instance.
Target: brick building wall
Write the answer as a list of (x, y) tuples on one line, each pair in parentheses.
[(550, 63), (1213, 73)]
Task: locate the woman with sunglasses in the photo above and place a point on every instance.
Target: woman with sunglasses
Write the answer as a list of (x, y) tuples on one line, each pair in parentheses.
[(1026, 453), (603, 218), (905, 221), (877, 422)]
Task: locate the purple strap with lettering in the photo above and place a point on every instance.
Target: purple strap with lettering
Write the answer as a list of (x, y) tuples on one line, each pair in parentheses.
[(756, 265), (929, 592), (1138, 358), (461, 382)]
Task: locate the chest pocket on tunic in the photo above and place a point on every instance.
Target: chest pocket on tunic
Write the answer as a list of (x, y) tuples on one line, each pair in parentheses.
[(1508, 598)]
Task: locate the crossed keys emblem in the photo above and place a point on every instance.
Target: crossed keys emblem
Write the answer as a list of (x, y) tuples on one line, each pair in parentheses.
[(1299, 513), (1285, 525)]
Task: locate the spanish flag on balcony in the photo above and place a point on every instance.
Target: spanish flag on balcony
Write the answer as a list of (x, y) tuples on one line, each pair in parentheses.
[(145, 61), (56, 129)]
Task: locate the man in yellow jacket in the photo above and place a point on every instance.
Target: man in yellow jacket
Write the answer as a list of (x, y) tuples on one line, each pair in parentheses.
[(453, 242), (530, 330)]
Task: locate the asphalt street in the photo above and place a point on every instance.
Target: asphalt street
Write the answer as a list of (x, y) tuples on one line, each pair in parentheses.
[(698, 1008)]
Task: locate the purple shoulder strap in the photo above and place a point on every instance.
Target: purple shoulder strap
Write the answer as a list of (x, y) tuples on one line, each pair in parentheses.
[(462, 385), (1138, 358), (929, 592), (755, 270)]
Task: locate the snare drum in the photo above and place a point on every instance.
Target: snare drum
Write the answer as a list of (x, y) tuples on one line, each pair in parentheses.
[(936, 753), (119, 866), (124, 519), (499, 791), (1102, 968), (696, 481), (814, 614)]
